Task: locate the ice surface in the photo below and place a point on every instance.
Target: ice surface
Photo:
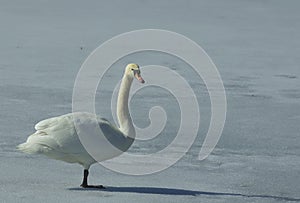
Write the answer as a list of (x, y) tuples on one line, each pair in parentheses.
[(255, 45)]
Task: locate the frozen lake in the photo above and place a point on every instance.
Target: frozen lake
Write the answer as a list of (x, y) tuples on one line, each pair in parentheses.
[(254, 44)]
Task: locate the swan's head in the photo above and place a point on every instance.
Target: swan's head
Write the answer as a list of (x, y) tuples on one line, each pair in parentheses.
[(133, 70)]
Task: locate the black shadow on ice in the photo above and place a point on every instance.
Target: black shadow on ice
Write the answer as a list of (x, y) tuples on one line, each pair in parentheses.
[(174, 191)]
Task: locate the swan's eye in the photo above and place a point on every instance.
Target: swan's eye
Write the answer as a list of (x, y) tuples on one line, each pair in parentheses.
[(132, 69)]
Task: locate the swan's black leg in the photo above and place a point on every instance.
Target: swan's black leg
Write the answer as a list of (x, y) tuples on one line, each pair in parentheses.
[(85, 184), (85, 176)]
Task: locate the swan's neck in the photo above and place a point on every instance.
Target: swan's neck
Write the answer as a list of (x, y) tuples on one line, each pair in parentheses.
[(123, 114)]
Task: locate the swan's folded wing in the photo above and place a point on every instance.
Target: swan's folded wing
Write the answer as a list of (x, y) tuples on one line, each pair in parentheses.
[(47, 123)]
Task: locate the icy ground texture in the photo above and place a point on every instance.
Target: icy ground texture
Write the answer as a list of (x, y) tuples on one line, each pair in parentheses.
[(255, 45)]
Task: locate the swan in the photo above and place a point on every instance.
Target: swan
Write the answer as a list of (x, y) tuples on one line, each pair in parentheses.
[(57, 137)]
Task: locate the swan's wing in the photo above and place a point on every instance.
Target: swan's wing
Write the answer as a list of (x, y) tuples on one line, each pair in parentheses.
[(62, 129), (47, 123), (58, 133), (57, 138)]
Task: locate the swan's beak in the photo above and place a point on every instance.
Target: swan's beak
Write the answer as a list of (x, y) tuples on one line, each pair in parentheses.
[(139, 77)]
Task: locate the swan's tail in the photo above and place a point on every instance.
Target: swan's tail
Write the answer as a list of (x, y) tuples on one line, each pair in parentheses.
[(38, 143), (28, 148), (31, 147)]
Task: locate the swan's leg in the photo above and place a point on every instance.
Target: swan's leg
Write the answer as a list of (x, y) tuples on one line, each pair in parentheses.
[(85, 184), (85, 177)]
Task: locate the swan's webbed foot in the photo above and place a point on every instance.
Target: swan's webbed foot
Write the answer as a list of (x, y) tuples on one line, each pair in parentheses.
[(92, 186)]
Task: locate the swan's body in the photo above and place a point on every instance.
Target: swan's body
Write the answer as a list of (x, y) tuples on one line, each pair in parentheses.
[(58, 139)]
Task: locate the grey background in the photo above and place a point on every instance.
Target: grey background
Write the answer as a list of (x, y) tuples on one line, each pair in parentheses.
[(254, 44)]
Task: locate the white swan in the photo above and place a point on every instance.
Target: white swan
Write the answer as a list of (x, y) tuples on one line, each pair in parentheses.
[(57, 137)]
